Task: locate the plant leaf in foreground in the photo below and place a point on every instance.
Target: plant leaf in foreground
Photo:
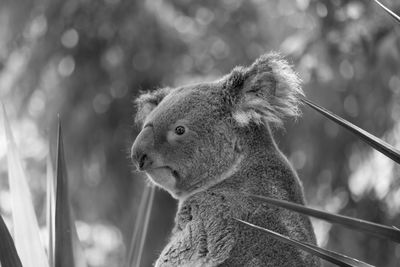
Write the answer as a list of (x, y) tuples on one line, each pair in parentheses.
[(141, 226), (26, 229), (333, 257), (139, 222), (63, 239), (8, 253), (50, 199), (390, 12), (145, 226), (65, 231), (356, 224), (370, 139)]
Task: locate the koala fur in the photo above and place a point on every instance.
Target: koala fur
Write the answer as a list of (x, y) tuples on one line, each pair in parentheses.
[(209, 143)]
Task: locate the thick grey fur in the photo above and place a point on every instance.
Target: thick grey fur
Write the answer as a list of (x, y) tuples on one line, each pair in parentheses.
[(229, 149)]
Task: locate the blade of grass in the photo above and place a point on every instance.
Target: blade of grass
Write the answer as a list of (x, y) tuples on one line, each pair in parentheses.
[(138, 225), (356, 224), (138, 232), (331, 256), (370, 139), (50, 200), (26, 228), (8, 253), (66, 223), (146, 226), (390, 12), (64, 256)]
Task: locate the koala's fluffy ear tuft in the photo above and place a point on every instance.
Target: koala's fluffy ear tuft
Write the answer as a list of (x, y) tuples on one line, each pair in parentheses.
[(147, 101), (268, 91)]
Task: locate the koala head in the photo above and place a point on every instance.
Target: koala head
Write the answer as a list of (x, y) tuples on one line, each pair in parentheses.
[(192, 136)]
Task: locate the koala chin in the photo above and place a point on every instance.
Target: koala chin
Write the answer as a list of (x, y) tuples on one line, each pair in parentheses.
[(164, 178), (210, 145)]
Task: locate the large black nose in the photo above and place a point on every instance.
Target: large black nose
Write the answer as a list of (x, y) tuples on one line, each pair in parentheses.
[(141, 149), (142, 161)]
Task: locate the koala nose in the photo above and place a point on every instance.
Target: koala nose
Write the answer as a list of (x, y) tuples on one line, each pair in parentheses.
[(144, 162), (141, 149)]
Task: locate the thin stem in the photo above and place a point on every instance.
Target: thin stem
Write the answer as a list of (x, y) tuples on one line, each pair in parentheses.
[(146, 226), (390, 12)]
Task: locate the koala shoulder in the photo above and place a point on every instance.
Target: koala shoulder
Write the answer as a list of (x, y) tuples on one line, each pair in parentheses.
[(204, 234)]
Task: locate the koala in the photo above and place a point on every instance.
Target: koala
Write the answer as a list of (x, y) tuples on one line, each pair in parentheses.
[(210, 145)]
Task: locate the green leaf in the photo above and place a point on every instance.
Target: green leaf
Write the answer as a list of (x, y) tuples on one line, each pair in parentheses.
[(141, 226), (370, 139), (8, 253), (26, 228), (379, 230), (331, 256), (390, 12), (67, 249)]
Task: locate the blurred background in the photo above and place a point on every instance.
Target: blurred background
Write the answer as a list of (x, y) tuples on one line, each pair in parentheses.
[(87, 60)]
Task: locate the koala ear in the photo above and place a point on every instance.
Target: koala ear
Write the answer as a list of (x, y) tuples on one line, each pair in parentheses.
[(265, 92), (147, 101)]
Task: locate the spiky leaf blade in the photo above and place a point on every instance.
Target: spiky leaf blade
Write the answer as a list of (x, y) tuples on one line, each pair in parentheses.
[(139, 222), (379, 230), (331, 256), (26, 235), (64, 255), (8, 253), (141, 226), (145, 227), (390, 12), (370, 139), (50, 200)]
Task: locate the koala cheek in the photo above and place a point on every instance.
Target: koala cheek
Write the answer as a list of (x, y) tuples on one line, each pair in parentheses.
[(171, 138)]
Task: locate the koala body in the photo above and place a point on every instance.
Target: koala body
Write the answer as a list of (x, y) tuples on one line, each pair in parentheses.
[(208, 145)]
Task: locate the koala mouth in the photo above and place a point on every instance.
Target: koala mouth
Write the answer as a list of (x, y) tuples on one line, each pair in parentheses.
[(166, 178), (173, 172)]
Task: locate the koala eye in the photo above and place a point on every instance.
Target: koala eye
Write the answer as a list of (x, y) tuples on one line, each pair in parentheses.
[(179, 130)]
